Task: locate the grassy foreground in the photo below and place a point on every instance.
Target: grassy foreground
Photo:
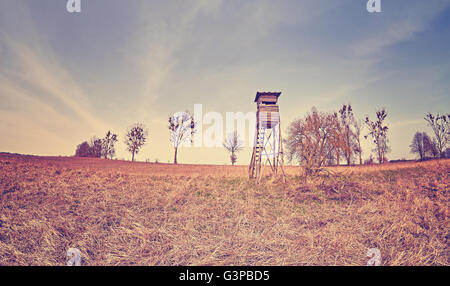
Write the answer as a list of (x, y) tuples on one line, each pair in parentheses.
[(119, 213)]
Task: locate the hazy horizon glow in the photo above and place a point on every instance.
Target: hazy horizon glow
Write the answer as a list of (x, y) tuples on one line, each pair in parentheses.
[(67, 77)]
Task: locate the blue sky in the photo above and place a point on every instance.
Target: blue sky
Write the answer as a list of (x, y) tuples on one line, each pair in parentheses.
[(66, 77)]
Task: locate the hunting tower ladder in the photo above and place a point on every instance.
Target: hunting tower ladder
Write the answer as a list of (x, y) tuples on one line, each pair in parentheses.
[(268, 144)]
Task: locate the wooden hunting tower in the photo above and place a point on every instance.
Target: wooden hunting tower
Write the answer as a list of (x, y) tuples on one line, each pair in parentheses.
[(268, 144)]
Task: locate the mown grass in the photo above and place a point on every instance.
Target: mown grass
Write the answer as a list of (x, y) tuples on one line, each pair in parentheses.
[(118, 213)]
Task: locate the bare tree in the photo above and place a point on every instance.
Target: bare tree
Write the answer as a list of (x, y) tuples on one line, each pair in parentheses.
[(310, 140), (348, 135), (379, 134), (98, 148), (434, 149), (441, 128), (135, 138), (357, 125), (95, 147), (369, 161), (331, 155), (182, 127), (337, 145), (108, 150), (233, 144), (421, 145), (429, 147)]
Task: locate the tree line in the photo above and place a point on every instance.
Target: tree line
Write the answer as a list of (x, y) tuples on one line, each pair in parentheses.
[(328, 138), (316, 140), (135, 138), (436, 147), (181, 126)]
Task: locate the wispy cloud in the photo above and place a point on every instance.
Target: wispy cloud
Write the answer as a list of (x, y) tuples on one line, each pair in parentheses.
[(403, 23), (50, 79), (44, 108), (137, 61)]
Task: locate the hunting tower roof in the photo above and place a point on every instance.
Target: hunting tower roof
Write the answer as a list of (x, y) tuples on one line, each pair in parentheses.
[(267, 94)]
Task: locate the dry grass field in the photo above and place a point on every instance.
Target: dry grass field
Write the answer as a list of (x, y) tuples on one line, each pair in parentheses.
[(122, 213)]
